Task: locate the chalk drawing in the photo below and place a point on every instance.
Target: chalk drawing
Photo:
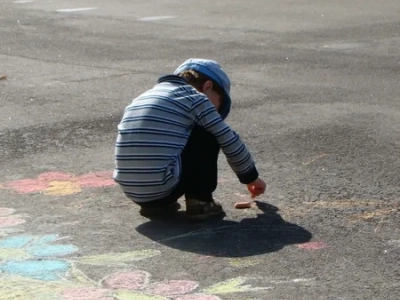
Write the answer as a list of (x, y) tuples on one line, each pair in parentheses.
[(370, 209), (312, 246), (366, 216), (37, 267), (296, 280), (343, 203), (7, 219), (234, 285), (59, 183), (18, 287), (86, 293), (243, 262), (34, 256), (137, 285), (172, 287)]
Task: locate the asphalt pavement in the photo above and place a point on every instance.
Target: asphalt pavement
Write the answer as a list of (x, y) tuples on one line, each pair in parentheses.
[(316, 97)]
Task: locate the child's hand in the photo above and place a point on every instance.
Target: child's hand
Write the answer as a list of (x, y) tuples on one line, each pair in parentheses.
[(256, 188)]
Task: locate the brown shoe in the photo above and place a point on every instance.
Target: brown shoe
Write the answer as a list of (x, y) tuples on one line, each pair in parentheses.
[(197, 210)]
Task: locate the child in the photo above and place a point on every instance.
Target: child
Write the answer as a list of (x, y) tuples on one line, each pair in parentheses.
[(169, 140)]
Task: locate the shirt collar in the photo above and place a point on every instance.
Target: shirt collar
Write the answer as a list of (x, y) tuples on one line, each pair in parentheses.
[(172, 78)]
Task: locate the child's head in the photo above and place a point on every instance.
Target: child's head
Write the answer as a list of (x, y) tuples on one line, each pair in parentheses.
[(208, 77), (205, 85)]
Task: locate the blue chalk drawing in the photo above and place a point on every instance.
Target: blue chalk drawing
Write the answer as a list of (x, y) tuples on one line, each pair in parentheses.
[(38, 259), (47, 270)]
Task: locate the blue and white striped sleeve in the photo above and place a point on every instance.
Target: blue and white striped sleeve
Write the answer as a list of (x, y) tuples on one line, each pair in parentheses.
[(236, 152)]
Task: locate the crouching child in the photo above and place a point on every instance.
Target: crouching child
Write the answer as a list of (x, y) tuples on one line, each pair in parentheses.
[(169, 140)]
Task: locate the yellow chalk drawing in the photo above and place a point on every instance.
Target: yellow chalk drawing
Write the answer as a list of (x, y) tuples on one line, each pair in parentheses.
[(118, 258), (234, 285), (243, 262), (131, 295), (373, 214), (80, 278), (18, 287), (16, 254), (344, 203), (62, 188), (371, 209)]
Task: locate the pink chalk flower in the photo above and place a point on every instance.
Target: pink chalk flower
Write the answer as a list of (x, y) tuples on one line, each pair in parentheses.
[(134, 285), (7, 219), (59, 183)]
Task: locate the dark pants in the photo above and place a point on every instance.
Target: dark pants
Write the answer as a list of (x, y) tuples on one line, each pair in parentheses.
[(199, 175)]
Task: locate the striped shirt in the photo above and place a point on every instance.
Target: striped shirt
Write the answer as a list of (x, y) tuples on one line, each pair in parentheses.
[(153, 133)]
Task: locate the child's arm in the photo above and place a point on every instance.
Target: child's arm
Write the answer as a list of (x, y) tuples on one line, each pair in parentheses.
[(236, 152)]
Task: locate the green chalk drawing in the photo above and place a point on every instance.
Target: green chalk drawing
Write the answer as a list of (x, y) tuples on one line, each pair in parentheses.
[(117, 258), (230, 286), (131, 295)]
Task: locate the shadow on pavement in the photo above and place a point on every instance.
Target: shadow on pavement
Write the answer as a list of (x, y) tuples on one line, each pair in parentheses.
[(266, 233)]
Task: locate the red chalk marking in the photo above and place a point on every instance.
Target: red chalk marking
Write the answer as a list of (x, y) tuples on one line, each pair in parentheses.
[(55, 176), (10, 221), (130, 280), (86, 293), (172, 287), (97, 179), (46, 180), (312, 246), (26, 186)]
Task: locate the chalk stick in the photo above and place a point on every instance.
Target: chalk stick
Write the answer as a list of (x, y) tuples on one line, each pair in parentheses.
[(242, 205)]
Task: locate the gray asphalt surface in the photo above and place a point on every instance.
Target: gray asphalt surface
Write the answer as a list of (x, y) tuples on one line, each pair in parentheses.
[(316, 97)]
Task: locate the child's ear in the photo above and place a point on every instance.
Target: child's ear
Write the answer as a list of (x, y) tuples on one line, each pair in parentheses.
[(207, 86)]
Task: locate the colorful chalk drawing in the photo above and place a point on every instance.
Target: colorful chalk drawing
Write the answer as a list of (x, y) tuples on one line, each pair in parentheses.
[(60, 183), (369, 210), (7, 219), (34, 256), (28, 255), (41, 267), (136, 285)]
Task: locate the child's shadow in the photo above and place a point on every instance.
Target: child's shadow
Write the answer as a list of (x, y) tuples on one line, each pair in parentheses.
[(266, 233)]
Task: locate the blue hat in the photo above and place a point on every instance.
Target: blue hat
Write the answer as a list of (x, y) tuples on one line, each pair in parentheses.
[(213, 70)]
